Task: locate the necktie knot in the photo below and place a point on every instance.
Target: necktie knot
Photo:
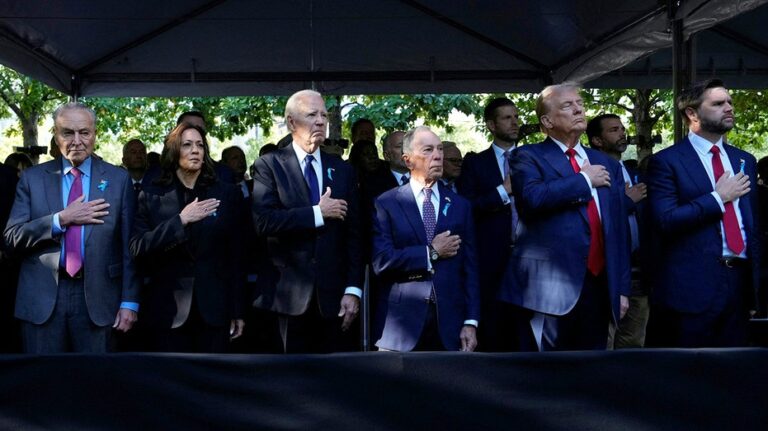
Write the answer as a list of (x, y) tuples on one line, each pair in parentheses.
[(571, 152), (75, 172), (310, 158), (427, 193), (404, 180), (715, 150)]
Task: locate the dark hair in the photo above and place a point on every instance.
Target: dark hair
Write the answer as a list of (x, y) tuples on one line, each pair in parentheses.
[(762, 169), (190, 114), (490, 109), (14, 159), (360, 121), (230, 149), (693, 96), (356, 152), (169, 160), (595, 125)]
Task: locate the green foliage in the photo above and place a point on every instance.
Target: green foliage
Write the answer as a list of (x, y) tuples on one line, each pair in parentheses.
[(151, 118), (26, 99), (751, 115)]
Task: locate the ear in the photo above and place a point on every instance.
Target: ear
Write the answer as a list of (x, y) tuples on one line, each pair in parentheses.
[(596, 142), (491, 125), (545, 121), (289, 123), (692, 114), (407, 160)]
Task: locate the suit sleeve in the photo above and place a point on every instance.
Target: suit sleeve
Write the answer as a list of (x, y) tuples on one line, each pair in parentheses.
[(625, 247), (148, 239), (131, 284), (485, 200), (22, 232), (270, 215), (669, 213), (387, 259), (471, 271), (537, 195)]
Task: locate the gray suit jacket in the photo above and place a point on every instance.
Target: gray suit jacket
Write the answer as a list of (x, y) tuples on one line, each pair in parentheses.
[(109, 276)]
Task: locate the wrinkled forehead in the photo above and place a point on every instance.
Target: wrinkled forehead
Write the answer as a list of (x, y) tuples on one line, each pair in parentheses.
[(716, 94), (311, 103), (74, 119)]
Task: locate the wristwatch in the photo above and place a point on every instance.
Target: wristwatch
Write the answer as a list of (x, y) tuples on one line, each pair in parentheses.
[(433, 254)]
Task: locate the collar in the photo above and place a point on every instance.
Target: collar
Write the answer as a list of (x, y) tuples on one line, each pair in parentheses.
[(417, 186), (301, 154), (702, 146), (500, 151), (85, 167), (579, 149)]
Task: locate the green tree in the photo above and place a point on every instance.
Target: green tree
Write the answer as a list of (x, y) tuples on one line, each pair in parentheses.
[(28, 100)]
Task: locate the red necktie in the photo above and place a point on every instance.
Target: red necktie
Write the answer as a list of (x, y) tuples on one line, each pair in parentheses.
[(596, 259), (72, 237), (730, 222)]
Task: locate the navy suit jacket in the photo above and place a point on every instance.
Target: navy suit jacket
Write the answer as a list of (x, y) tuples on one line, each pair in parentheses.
[(687, 218), (109, 277), (400, 259), (201, 261), (478, 182), (302, 257), (549, 261)]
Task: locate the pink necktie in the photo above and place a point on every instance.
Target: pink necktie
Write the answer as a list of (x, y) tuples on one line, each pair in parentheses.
[(730, 222), (596, 258), (73, 235)]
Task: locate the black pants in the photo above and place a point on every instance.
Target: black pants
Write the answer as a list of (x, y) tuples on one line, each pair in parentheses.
[(193, 336), (312, 333)]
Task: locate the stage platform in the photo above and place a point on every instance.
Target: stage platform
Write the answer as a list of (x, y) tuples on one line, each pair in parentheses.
[(623, 390)]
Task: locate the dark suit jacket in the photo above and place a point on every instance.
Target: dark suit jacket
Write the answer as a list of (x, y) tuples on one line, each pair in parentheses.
[(305, 258), (493, 219), (109, 276), (687, 219), (400, 259), (549, 261), (201, 262)]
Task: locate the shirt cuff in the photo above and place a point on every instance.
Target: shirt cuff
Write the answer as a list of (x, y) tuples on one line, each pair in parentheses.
[(319, 222), (589, 182), (719, 201), (429, 260), (351, 290), (57, 229), (133, 306), (470, 322), (503, 194)]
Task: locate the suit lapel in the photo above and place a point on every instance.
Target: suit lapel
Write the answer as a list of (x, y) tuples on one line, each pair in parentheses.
[(53, 187), (408, 204), (97, 175), (327, 176), (744, 204), (287, 158), (556, 158), (490, 163), (692, 165), (443, 209)]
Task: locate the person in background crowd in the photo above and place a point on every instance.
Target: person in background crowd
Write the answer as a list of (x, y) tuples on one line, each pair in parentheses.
[(135, 161), (606, 133), (19, 162), (305, 204), (485, 181), (452, 161), (71, 224), (705, 210), (424, 254), (363, 130), (187, 239), (234, 158), (569, 272), (364, 157)]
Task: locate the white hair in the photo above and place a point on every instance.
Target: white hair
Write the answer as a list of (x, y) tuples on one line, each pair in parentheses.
[(292, 105), (410, 135)]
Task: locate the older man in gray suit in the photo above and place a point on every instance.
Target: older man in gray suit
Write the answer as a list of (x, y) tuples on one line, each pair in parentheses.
[(71, 223)]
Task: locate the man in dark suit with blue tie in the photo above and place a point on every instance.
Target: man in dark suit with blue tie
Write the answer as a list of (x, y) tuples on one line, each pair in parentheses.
[(703, 206), (569, 272), (71, 224), (607, 134), (305, 204), (424, 254), (485, 181)]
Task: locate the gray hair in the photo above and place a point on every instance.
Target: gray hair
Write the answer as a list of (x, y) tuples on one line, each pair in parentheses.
[(293, 103), (73, 106), (410, 135), (541, 102)]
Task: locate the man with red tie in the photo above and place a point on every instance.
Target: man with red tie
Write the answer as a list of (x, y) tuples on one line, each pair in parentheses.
[(569, 272), (704, 211)]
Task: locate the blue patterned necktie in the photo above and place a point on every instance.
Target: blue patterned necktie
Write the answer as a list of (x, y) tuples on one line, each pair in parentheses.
[(311, 177), (404, 180), (430, 219)]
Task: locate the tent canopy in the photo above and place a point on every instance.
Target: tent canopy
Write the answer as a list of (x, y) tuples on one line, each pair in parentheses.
[(243, 47)]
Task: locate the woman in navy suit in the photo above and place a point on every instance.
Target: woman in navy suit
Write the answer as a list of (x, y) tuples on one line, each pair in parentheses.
[(186, 242)]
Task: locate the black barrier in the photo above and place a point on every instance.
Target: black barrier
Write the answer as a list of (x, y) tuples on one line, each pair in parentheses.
[(623, 390)]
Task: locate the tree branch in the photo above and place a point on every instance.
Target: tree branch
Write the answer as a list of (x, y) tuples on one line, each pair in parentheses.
[(15, 108)]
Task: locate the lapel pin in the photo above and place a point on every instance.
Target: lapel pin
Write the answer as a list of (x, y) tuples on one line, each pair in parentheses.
[(330, 173), (102, 185)]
